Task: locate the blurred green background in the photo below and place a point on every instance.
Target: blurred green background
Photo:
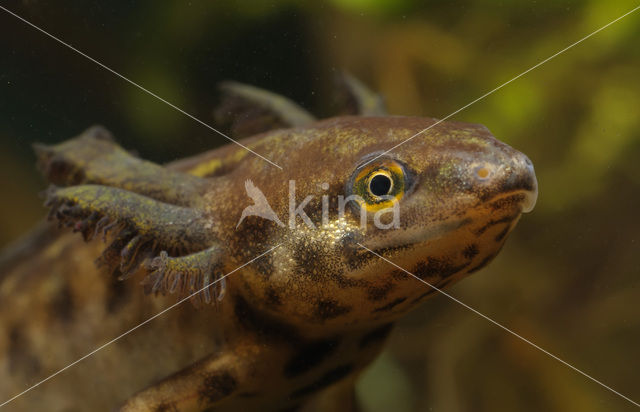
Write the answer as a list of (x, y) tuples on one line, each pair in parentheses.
[(568, 279)]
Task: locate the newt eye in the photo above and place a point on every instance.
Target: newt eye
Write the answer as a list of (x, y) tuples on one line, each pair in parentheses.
[(379, 184)]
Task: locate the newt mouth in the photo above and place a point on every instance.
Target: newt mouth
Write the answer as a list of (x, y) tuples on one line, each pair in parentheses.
[(410, 237), (525, 200), (526, 190)]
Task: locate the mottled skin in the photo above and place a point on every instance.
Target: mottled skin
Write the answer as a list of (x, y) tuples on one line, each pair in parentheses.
[(291, 330)]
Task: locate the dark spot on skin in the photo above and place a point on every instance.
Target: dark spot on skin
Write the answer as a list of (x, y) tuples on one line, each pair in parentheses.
[(399, 275), (272, 297), (20, 358), (508, 202), (330, 309), (216, 386), (117, 295), (390, 305), (255, 230), (377, 335), (482, 264), (166, 407), (310, 355), (506, 219), (264, 266), (356, 257), (62, 305), (376, 293), (503, 234), (327, 379), (470, 251), (258, 322), (392, 249), (437, 268), (446, 282), (521, 182), (432, 171), (424, 295)]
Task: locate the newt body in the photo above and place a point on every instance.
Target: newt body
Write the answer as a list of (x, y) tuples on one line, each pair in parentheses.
[(291, 330)]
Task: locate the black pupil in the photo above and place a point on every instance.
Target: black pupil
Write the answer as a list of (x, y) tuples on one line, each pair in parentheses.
[(380, 185)]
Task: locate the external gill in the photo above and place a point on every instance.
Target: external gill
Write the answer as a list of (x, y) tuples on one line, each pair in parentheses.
[(199, 274), (94, 157), (151, 216)]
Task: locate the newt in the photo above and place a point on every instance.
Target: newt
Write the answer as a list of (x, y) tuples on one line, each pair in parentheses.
[(290, 304)]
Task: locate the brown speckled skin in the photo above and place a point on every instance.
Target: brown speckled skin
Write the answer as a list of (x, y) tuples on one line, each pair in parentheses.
[(296, 327)]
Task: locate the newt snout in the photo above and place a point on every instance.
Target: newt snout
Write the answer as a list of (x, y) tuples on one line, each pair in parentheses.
[(509, 175), (522, 177), (493, 171)]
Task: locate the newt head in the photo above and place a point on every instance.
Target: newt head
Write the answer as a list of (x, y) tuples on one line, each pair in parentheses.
[(440, 206)]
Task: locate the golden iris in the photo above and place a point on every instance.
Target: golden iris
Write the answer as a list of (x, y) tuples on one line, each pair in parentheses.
[(379, 185)]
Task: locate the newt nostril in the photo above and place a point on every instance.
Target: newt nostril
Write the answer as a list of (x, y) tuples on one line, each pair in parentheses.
[(483, 172)]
